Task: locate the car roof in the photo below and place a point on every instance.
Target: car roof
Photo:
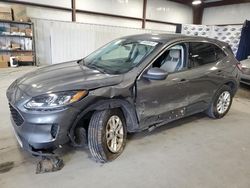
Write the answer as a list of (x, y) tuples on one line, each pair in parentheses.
[(166, 37)]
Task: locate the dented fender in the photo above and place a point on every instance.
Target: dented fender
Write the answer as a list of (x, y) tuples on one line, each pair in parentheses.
[(104, 104)]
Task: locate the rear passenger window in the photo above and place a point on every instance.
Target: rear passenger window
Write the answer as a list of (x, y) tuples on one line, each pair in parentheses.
[(219, 53), (201, 53)]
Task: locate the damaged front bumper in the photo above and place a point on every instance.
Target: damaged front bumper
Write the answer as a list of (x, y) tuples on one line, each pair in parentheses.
[(40, 133)]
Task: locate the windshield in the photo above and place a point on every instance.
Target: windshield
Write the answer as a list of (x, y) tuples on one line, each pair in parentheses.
[(119, 56)]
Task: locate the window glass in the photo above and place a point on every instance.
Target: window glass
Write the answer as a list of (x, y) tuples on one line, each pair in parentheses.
[(121, 52), (172, 60), (201, 54), (120, 56), (219, 53)]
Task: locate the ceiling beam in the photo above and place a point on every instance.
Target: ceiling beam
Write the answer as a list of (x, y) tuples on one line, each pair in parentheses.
[(225, 2), (198, 14), (73, 6), (144, 14)]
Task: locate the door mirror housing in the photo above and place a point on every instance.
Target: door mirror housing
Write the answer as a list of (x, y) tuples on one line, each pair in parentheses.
[(155, 73)]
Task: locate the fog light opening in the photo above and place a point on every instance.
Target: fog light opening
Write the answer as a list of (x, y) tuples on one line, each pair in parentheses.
[(54, 130)]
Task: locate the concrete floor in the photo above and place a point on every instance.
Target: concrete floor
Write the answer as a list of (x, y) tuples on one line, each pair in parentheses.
[(194, 152)]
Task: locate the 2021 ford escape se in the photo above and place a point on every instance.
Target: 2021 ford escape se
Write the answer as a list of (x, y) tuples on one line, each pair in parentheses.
[(131, 84)]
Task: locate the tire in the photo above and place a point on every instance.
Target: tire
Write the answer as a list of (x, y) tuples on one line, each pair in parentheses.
[(102, 136), (213, 111)]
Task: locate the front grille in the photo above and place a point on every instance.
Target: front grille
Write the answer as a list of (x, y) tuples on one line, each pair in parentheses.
[(16, 116)]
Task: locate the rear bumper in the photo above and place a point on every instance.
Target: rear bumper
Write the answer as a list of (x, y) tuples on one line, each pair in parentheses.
[(245, 79)]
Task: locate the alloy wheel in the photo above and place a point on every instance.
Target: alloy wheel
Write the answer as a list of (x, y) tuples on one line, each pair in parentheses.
[(114, 134), (223, 102)]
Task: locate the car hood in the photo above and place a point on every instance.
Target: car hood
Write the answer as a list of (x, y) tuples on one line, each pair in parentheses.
[(246, 63), (63, 77)]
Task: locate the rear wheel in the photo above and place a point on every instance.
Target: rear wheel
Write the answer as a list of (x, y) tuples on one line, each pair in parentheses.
[(221, 103), (107, 134)]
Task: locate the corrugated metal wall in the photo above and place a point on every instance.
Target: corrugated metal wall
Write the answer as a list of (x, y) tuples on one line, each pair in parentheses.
[(58, 42)]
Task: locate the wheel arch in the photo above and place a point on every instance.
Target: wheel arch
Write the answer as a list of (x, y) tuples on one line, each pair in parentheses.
[(127, 108), (233, 85)]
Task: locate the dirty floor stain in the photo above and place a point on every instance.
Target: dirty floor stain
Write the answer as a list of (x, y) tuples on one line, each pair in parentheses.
[(6, 167)]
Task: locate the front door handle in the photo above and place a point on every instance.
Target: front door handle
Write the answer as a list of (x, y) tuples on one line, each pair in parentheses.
[(182, 80)]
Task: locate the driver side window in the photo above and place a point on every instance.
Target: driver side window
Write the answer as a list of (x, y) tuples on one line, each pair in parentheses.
[(172, 60)]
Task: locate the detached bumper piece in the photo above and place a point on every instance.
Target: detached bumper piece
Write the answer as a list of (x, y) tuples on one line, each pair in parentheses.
[(49, 164)]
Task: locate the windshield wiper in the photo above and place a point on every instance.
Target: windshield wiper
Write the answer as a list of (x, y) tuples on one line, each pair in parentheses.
[(80, 61)]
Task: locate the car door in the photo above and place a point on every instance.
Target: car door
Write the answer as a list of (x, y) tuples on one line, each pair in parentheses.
[(206, 63), (160, 100)]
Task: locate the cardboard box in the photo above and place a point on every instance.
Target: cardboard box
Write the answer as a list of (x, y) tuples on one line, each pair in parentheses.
[(28, 32), (14, 29), (4, 59), (25, 58), (5, 13), (28, 44), (19, 13), (22, 30), (15, 46), (22, 53)]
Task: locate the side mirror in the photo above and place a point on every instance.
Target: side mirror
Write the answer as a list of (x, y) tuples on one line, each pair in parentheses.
[(155, 73)]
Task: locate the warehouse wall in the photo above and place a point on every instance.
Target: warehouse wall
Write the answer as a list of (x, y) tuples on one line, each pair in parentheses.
[(59, 40), (229, 14), (46, 13), (169, 11), (118, 7), (67, 41), (161, 10)]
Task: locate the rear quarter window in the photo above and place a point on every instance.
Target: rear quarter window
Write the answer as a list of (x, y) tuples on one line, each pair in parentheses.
[(202, 53)]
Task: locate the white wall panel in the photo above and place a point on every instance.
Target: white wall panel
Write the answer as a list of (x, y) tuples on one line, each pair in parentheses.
[(169, 11), (160, 27), (59, 42), (45, 13), (131, 8), (42, 36), (229, 14), (105, 20), (60, 3)]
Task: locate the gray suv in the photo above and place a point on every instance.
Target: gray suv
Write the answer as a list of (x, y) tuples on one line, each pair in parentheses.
[(131, 84)]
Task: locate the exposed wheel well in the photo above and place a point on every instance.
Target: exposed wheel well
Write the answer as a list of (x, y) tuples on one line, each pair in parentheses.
[(83, 119), (232, 85)]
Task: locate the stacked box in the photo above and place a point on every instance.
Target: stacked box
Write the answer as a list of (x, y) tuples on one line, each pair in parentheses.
[(4, 60), (19, 13), (5, 13)]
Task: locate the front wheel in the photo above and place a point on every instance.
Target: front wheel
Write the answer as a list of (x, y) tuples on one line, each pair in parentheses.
[(107, 134), (221, 103)]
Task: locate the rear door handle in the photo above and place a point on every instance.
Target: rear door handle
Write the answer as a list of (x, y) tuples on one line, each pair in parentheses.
[(219, 72)]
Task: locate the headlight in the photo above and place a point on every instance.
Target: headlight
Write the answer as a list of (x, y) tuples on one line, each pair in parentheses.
[(55, 100)]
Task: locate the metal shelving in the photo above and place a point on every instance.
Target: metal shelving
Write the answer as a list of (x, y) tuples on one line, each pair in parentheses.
[(15, 22), (24, 51), (26, 42), (25, 36)]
